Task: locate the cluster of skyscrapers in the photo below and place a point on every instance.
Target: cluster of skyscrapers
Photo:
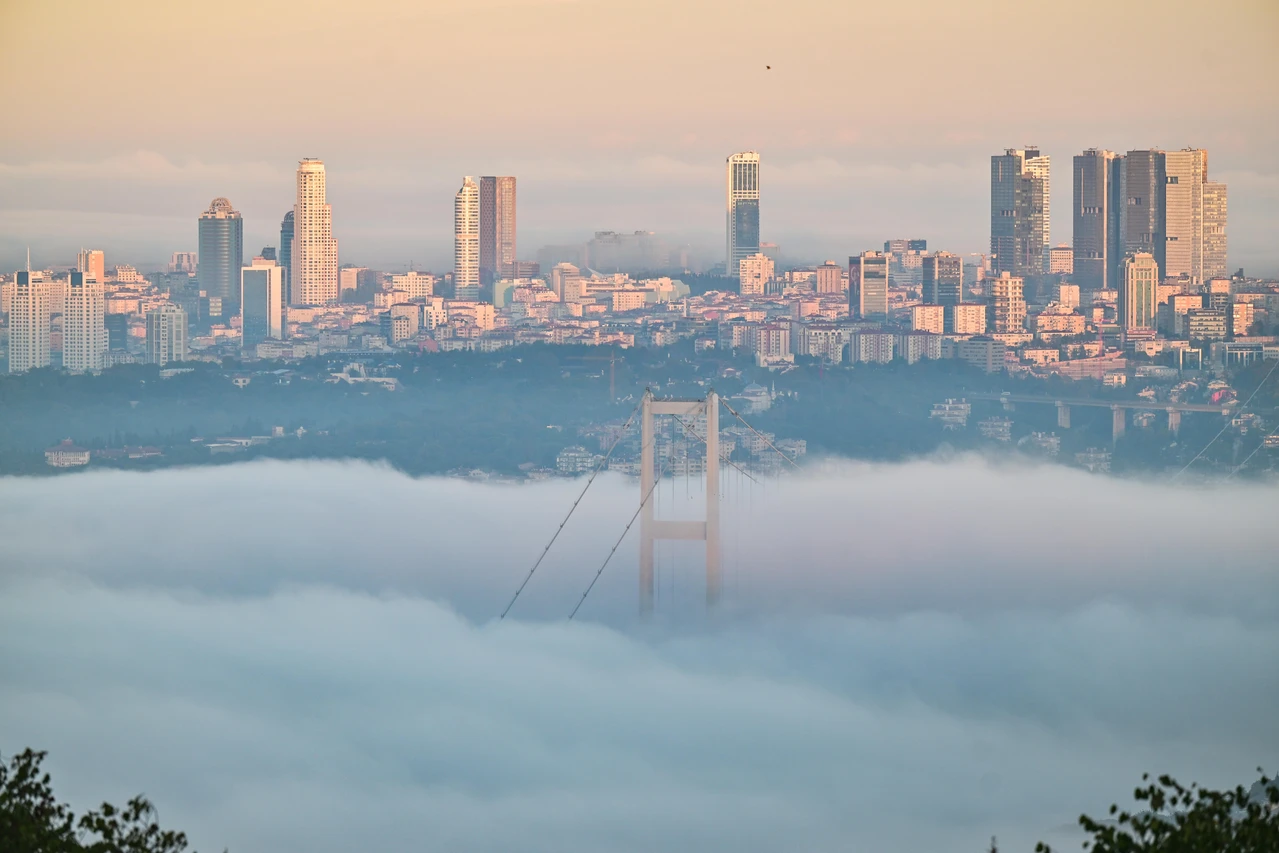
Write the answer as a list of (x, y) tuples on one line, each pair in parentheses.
[(307, 255), (1155, 202), (1151, 201), (1139, 220), (88, 332), (302, 272)]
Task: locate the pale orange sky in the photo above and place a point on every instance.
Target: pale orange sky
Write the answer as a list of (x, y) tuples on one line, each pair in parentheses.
[(877, 120)]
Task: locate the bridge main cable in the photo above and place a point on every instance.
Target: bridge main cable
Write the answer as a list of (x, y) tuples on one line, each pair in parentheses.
[(759, 434), (617, 441), (618, 543), (1226, 426)]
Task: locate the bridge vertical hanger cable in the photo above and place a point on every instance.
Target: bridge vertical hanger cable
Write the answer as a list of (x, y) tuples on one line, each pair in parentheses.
[(1226, 426), (693, 434), (603, 462), (735, 539), (760, 435)]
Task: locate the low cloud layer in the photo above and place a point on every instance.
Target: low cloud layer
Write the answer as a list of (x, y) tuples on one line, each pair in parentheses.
[(306, 656)]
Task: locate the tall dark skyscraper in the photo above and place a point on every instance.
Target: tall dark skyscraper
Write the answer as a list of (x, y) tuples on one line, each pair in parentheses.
[(286, 255), (943, 279), (497, 228), (1096, 213), (868, 285), (221, 253), (1019, 212), (1142, 178)]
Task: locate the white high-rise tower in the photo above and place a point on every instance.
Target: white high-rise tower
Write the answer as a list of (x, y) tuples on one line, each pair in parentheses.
[(314, 265), (466, 241), (1184, 175), (742, 209), (84, 329), (29, 322)]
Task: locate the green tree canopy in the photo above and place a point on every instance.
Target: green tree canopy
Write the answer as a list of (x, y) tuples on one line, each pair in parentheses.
[(33, 821), (1177, 819)]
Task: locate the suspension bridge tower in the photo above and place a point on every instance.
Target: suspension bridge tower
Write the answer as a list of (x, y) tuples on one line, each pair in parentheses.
[(653, 529)]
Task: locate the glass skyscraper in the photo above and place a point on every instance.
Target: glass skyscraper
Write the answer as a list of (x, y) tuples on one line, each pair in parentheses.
[(1019, 212), (742, 209), (262, 303), (868, 285), (221, 253), (943, 279), (1096, 215)]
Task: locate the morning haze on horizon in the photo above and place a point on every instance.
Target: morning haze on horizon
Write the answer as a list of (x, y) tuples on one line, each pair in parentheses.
[(596, 425), (613, 114)]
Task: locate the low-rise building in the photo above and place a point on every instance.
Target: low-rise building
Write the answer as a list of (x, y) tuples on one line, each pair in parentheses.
[(872, 347), (928, 318), (981, 352), (952, 413), (967, 318), (1206, 324), (1000, 429), (916, 346), (66, 455), (576, 460)]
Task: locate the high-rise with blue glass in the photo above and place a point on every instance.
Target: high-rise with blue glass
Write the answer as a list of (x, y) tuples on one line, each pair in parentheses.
[(742, 209)]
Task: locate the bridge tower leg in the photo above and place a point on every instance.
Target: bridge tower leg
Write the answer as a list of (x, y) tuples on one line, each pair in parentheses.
[(1174, 421), (1120, 421), (712, 498), (646, 508), (1063, 415)]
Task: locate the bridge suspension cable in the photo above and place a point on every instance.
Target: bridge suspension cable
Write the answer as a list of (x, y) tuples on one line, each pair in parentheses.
[(618, 543), (1226, 426), (662, 469), (1244, 464), (600, 467), (760, 435)]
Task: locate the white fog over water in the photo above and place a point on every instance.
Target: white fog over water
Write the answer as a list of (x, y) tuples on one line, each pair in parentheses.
[(307, 656)]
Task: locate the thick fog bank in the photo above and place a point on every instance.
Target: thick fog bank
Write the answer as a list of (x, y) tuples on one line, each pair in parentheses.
[(306, 657)]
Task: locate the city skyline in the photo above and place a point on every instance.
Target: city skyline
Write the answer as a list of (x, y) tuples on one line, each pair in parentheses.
[(1203, 211)]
